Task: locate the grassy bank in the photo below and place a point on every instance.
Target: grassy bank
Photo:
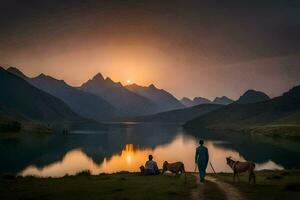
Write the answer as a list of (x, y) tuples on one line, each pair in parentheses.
[(269, 185), (282, 131), (14, 126), (113, 186)]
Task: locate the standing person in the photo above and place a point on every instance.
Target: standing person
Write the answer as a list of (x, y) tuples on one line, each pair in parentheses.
[(201, 159)]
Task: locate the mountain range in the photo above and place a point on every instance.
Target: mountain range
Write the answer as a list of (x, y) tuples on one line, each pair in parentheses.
[(83, 103), (196, 101), (201, 100), (126, 101), (102, 99), (252, 96), (180, 115), (278, 115), (223, 100), (184, 115), (48, 100), (19, 99), (163, 99)]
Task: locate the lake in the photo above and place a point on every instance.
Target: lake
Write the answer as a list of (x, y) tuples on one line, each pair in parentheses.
[(126, 146)]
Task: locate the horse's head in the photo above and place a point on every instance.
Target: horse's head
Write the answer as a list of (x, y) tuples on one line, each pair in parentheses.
[(229, 160), (165, 167)]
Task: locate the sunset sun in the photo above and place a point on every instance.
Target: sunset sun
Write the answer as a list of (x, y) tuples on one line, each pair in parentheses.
[(128, 81)]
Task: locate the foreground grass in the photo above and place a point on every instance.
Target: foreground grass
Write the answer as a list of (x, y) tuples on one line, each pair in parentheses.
[(113, 186), (269, 185)]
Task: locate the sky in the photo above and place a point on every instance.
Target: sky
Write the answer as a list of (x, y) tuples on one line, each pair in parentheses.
[(190, 48)]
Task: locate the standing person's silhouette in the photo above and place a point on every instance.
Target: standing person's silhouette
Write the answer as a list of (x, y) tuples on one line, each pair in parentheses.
[(201, 159)]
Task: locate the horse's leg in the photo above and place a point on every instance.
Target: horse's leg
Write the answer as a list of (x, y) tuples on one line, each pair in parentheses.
[(233, 176), (178, 173), (253, 176), (250, 175), (237, 174), (182, 171)]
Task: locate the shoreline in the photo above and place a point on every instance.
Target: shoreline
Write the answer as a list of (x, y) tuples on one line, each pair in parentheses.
[(290, 132), (88, 173)]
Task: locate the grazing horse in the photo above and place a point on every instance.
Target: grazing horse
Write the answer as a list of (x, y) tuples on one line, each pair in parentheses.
[(174, 168), (239, 167)]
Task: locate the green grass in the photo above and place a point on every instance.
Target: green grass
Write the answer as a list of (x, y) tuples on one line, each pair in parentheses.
[(271, 185), (278, 130), (84, 186)]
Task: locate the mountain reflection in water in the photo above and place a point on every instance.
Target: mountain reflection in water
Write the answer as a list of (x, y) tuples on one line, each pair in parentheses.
[(181, 148)]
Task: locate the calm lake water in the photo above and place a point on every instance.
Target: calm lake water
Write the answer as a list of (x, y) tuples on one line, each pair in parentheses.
[(126, 146)]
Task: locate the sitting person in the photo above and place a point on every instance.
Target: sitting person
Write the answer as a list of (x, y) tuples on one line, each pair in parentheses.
[(150, 167)]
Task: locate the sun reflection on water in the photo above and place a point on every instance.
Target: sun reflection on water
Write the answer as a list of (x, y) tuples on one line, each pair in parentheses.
[(131, 158)]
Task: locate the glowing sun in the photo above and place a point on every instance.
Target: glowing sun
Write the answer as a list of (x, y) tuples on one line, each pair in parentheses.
[(128, 81)]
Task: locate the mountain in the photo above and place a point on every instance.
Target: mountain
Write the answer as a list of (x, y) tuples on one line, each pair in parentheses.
[(252, 96), (277, 115), (83, 103), (128, 102), (201, 100), (196, 101), (222, 100), (180, 115), (17, 72), (160, 97), (21, 98), (187, 102)]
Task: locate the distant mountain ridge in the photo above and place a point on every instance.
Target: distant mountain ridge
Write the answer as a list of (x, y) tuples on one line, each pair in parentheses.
[(20, 99), (126, 101), (278, 114), (103, 99), (160, 97), (223, 100), (201, 100), (180, 115), (83, 103), (196, 101), (252, 96), (187, 102)]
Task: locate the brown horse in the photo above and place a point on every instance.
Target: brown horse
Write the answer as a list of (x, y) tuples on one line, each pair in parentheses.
[(176, 168), (239, 167)]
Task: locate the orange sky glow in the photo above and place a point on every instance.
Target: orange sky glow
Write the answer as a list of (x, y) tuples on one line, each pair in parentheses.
[(195, 48)]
